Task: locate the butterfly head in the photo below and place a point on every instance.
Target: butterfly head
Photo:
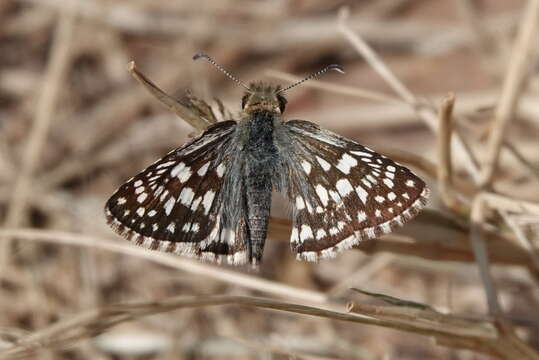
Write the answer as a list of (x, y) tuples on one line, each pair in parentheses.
[(263, 97)]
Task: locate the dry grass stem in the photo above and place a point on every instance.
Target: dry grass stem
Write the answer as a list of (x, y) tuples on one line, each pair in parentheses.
[(532, 168), (44, 112), (445, 169), (190, 266), (65, 269), (525, 241), (450, 330), (477, 219), (423, 110), (515, 79)]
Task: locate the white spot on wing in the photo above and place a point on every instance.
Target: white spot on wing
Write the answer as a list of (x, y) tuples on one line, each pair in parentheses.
[(309, 207), (362, 194), (165, 164), (169, 205), (306, 167), (344, 187), (137, 183), (171, 227), (346, 163), (220, 170), (321, 233), (294, 235), (141, 198), (186, 227), (177, 169), (152, 213), (388, 183), (323, 163), (140, 211), (322, 194), (208, 201), (186, 196), (185, 174), (410, 183), (361, 153), (164, 195), (334, 196), (121, 201), (372, 179), (202, 171), (391, 196), (306, 233), (195, 203), (300, 203), (361, 216)]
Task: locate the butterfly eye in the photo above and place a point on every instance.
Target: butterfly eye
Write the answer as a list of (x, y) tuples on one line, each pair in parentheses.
[(244, 100), (282, 102)]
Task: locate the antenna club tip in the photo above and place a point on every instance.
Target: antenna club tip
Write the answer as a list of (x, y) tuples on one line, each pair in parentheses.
[(336, 67), (200, 55)]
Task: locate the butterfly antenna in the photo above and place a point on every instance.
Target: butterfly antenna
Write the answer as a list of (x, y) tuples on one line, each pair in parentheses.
[(335, 67), (219, 67)]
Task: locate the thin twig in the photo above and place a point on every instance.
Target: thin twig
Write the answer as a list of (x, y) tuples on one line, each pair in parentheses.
[(52, 82), (469, 9), (521, 236), (534, 170), (187, 265), (481, 255), (515, 79), (374, 60), (97, 321), (445, 169), (501, 202), (362, 274), (426, 112)]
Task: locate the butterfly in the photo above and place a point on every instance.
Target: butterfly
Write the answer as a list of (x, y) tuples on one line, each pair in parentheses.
[(211, 198)]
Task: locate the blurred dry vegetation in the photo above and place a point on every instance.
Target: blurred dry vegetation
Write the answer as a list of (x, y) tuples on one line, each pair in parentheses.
[(74, 125)]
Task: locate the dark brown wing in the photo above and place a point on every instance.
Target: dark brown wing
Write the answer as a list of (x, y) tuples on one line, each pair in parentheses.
[(342, 191), (174, 205)]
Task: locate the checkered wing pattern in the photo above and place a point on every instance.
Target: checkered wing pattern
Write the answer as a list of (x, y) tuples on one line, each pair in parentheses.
[(343, 192), (175, 205)]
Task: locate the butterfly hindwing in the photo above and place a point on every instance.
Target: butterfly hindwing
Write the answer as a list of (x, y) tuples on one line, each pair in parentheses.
[(343, 192)]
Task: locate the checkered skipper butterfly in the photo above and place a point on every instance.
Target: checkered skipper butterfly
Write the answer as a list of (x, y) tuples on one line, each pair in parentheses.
[(210, 198)]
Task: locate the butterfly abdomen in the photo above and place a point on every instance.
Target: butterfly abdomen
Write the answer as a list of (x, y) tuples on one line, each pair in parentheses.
[(261, 156)]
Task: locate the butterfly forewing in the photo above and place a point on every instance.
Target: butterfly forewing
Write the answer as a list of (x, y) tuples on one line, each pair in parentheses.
[(174, 205), (342, 191)]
